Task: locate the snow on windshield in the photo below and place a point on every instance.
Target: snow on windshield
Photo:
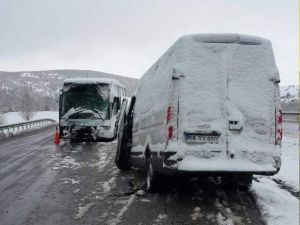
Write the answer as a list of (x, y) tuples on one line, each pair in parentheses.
[(87, 98)]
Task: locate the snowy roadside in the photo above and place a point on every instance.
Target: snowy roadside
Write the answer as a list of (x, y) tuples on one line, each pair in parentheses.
[(16, 117), (5, 135), (289, 172), (276, 205), (278, 196)]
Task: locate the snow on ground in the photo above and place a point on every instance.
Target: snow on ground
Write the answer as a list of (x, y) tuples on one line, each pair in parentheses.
[(16, 117), (289, 172), (277, 206), (67, 162), (278, 196)]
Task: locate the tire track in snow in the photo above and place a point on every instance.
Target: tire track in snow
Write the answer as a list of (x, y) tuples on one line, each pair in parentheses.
[(284, 186), (23, 159)]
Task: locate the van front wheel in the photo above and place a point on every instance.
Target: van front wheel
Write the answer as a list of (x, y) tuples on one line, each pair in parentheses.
[(122, 158), (152, 178)]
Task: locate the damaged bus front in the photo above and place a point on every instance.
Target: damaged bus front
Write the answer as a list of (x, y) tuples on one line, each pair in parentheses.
[(88, 109)]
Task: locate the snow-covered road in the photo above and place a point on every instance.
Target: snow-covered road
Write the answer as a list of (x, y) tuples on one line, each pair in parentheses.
[(79, 184)]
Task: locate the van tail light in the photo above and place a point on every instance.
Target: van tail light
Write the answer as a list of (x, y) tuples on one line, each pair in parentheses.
[(170, 121), (170, 132), (169, 114), (278, 127)]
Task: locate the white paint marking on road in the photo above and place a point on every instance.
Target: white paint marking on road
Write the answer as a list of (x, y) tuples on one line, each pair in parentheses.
[(83, 210), (77, 190), (107, 185), (121, 213), (160, 217), (69, 180)]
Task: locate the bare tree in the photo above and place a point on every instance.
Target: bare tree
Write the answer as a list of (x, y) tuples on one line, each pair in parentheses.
[(26, 102), (1, 118), (2, 109)]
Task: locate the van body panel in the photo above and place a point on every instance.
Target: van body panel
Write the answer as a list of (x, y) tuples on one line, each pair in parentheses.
[(223, 91)]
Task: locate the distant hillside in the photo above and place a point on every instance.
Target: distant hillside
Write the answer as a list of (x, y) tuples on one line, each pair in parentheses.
[(289, 93), (289, 96), (45, 85)]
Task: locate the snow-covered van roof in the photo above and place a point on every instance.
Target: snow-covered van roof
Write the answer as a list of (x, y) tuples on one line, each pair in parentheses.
[(226, 38), (93, 81), (209, 62)]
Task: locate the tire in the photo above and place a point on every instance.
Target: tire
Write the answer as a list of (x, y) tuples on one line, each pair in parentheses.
[(122, 158), (115, 131), (152, 178), (245, 181), (241, 181)]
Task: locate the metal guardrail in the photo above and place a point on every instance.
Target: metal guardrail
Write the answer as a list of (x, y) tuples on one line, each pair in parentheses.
[(290, 116), (287, 116), (17, 127)]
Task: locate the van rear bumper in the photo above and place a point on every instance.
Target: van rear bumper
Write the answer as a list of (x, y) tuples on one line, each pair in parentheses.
[(191, 164)]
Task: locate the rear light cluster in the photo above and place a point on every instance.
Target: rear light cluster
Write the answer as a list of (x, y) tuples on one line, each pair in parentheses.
[(278, 127), (170, 117)]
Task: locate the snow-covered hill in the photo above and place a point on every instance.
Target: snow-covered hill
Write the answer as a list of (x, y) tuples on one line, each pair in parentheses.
[(45, 85), (289, 93), (290, 98)]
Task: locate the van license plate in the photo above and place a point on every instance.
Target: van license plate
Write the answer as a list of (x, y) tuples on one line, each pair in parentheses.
[(198, 138)]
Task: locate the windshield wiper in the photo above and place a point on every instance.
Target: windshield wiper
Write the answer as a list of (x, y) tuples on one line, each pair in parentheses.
[(98, 112)]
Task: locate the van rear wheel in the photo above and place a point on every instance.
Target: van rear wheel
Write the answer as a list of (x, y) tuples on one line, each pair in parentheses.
[(242, 181)]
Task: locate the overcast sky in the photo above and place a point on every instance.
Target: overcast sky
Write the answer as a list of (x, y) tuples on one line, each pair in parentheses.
[(127, 36)]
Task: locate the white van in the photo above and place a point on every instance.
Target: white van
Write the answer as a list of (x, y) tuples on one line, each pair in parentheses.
[(210, 104), (88, 108)]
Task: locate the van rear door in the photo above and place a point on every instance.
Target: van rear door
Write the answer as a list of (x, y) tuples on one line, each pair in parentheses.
[(227, 105), (203, 96), (251, 103)]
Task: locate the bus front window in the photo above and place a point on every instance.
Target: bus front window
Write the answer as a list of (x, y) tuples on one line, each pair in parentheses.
[(86, 101)]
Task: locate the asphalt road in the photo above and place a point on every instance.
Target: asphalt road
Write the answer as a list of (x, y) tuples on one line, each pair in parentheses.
[(41, 183)]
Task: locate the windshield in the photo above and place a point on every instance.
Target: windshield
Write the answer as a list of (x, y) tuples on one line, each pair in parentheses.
[(81, 100)]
